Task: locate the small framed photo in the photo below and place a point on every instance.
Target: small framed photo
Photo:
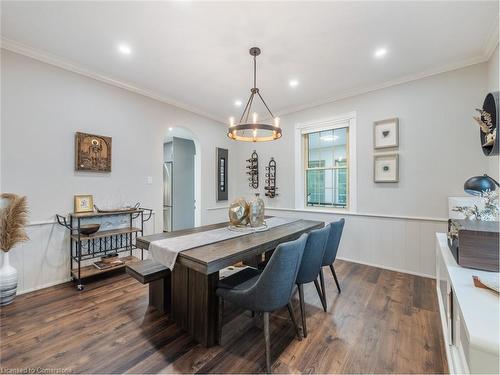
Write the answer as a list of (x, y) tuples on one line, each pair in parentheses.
[(84, 203), (386, 133), (386, 168)]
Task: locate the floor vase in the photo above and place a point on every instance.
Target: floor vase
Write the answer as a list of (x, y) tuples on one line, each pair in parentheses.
[(8, 281)]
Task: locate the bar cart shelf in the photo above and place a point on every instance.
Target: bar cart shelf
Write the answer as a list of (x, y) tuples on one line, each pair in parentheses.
[(84, 247)]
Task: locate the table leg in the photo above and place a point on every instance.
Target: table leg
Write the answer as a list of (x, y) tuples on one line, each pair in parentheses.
[(195, 306), (159, 294)]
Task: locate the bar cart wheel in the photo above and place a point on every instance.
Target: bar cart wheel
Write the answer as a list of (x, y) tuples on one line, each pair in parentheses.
[(80, 287)]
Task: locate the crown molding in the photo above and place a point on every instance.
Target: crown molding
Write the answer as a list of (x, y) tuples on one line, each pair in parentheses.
[(367, 89), (51, 59), (488, 50), (48, 58), (491, 43)]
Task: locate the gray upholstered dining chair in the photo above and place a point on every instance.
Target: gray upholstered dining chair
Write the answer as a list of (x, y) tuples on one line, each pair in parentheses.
[(310, 267), (332, 246), (266, 291)]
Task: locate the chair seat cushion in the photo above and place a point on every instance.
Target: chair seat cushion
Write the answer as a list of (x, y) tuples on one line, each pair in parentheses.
[(240, 280)]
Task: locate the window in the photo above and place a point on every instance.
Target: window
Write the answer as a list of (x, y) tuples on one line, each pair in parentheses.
[(326, 168), (325, 164)]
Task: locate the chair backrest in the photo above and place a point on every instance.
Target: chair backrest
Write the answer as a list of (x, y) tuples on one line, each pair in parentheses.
[(314, 251), (332, 245), (275, 285)]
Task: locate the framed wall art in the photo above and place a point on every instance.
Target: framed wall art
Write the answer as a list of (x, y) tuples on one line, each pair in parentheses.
[(92, 153), (386, 133), (222, 184), (84, 203), (386, 168)]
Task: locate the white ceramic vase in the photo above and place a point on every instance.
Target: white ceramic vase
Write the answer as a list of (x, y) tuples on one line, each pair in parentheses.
[(8, 281)]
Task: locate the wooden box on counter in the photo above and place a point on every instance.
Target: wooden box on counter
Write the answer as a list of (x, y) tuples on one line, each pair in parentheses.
[(475, 243)]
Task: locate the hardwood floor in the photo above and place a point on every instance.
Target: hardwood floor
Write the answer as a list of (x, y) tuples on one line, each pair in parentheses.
[(383, 322)]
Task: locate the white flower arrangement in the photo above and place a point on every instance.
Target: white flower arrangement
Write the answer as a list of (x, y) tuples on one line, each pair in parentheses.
[(490, 212)]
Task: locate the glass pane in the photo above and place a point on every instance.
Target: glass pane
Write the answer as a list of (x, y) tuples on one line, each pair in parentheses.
[(315, 187), (327, 187)]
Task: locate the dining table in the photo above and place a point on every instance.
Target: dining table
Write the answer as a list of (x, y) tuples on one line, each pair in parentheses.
[(194, 278)]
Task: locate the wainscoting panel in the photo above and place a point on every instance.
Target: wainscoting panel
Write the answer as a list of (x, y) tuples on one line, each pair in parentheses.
[(396, 243)]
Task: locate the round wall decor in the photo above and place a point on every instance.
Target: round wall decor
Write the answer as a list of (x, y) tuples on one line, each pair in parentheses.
[(488, 122)]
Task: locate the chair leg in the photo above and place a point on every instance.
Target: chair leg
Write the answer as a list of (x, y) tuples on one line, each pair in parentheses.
[(323, 286), (292, 316), (221, 318), (302, 309), (335, 277), (320, 291), (267, 339)]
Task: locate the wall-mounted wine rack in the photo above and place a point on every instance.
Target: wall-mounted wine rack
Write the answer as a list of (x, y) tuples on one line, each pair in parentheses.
[(271, 179), (253, 170)]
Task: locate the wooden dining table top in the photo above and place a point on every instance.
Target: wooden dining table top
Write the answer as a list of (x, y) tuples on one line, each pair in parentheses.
[(213, 257)]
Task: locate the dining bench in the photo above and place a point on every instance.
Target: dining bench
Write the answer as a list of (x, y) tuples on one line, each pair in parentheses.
[(158, 277)]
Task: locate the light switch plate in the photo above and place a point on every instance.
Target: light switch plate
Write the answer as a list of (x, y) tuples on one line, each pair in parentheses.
[(149, 180)]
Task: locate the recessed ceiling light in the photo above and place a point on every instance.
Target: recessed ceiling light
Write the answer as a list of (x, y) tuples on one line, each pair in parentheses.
[(238, 103), (293, 83), (124, 49), (170, 129), (381, 52)]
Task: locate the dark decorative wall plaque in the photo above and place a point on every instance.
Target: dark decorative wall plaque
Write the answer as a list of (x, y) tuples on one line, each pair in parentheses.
[(253, 170), (92, 153), (221, 178), (271, 179)]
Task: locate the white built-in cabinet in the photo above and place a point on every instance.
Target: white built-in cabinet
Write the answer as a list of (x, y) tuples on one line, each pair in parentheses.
[(469, 315)]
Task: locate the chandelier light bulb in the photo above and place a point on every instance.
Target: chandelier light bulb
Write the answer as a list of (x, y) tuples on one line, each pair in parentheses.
[(231, 121), (254, 117), (277, 122)]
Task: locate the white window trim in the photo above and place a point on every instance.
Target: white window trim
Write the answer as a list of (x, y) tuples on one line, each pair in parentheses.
[(310, 127)]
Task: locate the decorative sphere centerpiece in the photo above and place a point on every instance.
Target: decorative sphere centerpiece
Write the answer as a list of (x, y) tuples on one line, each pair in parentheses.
[(238, 212)]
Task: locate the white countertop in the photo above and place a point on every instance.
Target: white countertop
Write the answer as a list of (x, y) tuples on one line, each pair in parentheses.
[(480, 307)]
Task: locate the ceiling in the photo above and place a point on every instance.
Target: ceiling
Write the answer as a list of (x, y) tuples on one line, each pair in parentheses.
[(195, 54)]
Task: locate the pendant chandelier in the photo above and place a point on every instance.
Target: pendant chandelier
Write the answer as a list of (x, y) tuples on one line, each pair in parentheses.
[(254, 131)]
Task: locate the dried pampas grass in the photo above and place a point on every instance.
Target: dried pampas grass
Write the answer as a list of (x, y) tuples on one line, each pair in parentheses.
[(13, 219)]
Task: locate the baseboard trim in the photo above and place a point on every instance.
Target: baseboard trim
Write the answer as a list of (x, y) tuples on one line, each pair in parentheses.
[(48, 285), (388, 268)]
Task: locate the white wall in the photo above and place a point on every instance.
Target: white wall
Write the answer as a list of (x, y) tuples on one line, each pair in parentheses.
[(439, 149), (42, 107), (493, 85)]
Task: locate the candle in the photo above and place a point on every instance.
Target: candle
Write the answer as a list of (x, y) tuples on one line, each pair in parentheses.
[(231, 121), (254, 117), (277, 122)]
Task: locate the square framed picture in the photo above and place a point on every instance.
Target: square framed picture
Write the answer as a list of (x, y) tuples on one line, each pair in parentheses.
[(386, 168), (84, 203), (92, 153), (386, 133)]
